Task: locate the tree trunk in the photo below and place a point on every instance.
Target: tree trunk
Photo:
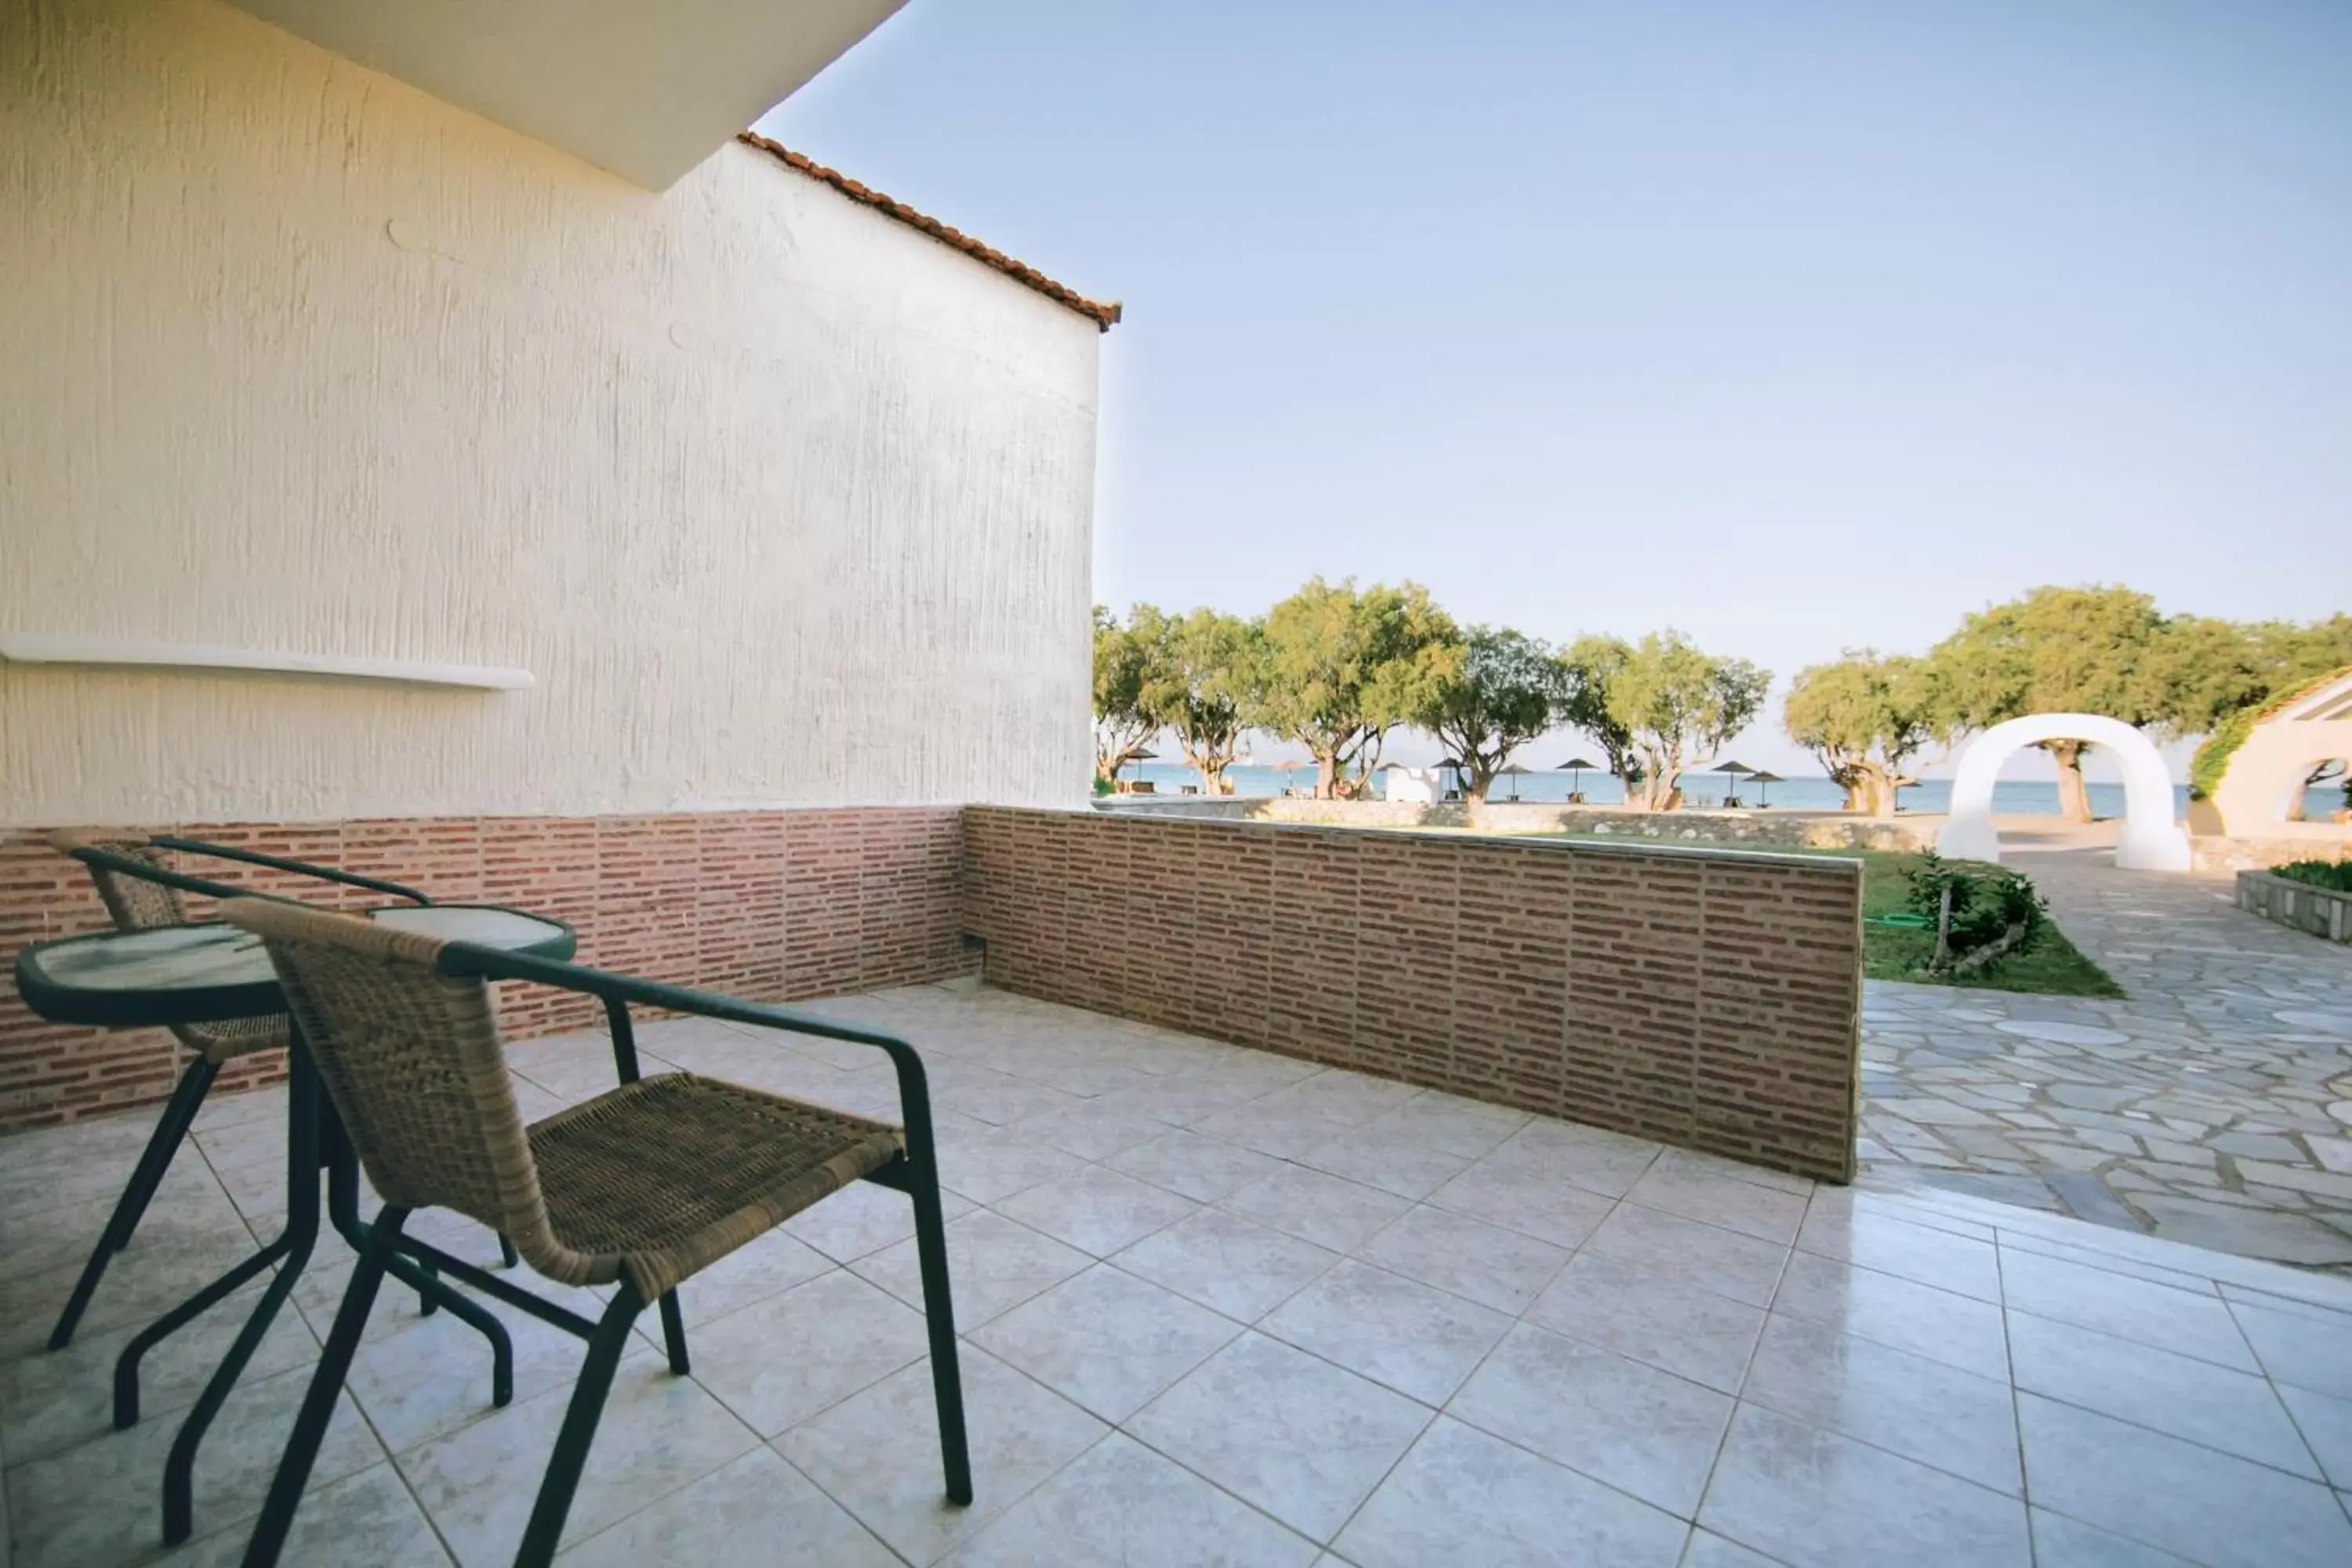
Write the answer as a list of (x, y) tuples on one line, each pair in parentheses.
[(1882, 794), (1857, 797), (2074, 794), (1327, 776)]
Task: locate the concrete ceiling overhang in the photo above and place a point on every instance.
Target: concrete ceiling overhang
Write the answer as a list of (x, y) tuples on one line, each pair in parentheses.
[(646, 91)]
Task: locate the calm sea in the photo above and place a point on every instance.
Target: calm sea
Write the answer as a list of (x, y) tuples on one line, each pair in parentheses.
[(2022, 797)]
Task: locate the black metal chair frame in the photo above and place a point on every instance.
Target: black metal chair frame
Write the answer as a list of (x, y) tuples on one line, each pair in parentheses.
[(196, 1078), (315, 1140), (915, 1173)]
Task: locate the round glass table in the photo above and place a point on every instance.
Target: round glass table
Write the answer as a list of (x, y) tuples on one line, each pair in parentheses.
[(204, 973)]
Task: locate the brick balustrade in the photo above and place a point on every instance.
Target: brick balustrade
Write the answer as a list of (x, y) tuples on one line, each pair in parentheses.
[(1706, 998), (1709, 999)]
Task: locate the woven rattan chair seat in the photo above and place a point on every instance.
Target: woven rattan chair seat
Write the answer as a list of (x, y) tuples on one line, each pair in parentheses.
[(234, 1038), (667, 1175)]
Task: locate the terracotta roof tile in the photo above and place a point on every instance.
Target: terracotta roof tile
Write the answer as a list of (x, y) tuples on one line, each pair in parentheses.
[(1102, 314)]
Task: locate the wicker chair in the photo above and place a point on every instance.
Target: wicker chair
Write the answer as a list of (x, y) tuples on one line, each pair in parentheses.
[(138, 902), (641, 1187)]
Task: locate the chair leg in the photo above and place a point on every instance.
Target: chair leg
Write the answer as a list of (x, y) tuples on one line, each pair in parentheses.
[(939, 1319), (545, 1530), (508, 1257), (146, 1177), (673, 1333), (326, 1386)]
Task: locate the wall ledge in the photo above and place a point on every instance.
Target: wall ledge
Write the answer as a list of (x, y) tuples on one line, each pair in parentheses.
[(35, 648)]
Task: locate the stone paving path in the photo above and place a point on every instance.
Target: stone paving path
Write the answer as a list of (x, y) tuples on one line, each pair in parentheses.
[(2212, 1105)]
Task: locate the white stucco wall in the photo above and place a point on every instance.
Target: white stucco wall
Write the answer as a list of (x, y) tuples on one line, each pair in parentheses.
[(781, 501)]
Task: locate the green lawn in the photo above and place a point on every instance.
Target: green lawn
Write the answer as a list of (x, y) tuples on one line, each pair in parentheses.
[(2049, 964)]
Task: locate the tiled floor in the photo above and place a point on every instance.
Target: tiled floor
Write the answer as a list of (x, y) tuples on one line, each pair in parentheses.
[(1221, 1307), (2213, 1104)]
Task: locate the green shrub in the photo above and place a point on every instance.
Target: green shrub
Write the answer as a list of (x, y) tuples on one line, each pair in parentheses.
[(1985, 904), (2333, 874), (2212, 758)]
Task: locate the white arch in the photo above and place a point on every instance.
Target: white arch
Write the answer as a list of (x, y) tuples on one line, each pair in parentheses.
[(2151, 841)]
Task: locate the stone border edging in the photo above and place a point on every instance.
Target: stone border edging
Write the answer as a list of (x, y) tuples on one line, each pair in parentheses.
[(2321, 911)]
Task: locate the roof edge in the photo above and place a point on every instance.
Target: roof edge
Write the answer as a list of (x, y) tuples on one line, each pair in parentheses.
[(1103, 315)]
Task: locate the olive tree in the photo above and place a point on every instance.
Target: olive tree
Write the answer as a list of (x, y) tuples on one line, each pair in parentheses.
[(1506, 690), (1342, 667), (1200, 673), (1865, 717), (1661, 700)]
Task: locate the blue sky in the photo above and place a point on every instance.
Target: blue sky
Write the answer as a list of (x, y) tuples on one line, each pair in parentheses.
[(1795, 326)]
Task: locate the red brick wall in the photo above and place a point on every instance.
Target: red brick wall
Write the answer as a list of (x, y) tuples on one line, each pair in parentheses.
[(774, 905), (1708, 999)]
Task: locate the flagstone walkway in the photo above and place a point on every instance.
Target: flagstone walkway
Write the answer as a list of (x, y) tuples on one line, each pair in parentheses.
[(2212, 1105)]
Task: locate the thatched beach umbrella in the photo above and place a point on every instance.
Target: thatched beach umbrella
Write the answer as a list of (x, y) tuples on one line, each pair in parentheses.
[(1759, 781), (1516, 772), (1576, 768)]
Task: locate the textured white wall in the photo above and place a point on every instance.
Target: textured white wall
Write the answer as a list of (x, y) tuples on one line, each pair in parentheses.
[(783, 501)]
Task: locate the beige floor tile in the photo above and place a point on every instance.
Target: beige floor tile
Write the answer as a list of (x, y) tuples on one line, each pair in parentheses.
[(1460, 1496), (985, 1164), (1592, 1158), (1643, 1431), (776, 1261), (1484, 1263), (2326, 1424), (1313, 1205), (1387, 1161), (1808, 1496), (1903, 1402), (1920, 1253), (863, 1219), (1684, 1188), (1202, 1168), (369, 1518), (1525, 1196), (1120, 1502), (140, 1285), (2301, 1348), (658, 1433), (1271, 1126), (1744, 1268), (433, 1375), (1106, 1340), (1661, 1319), (1091, 1129), (1410, 1337), (1468, 1128), (2179, 1320), (2203, 1505), (1096, 1211), (878, 1454), (1183, 1100), (2236, 1412), (2063, 1543), (755, 1508), (779, 1362), (194, 1215), (52, 1400), (1709, 1549), (1284, 1431), (995, 1264), (1350, 1098), (1957, 1330), (1231, 1265), (100, 1503)]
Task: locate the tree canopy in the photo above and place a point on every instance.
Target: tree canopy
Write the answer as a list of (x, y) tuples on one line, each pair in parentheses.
[(1343, 667), (1506, 689), (1669, 700), (2061, 650), (1123, 723), (1200, 670), (1866, 716)]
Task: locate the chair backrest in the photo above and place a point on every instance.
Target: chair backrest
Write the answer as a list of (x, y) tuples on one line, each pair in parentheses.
[(411, 1058), (135, 903)]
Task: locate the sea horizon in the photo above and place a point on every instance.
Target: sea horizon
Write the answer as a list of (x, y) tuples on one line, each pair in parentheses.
[(2011, 797)]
